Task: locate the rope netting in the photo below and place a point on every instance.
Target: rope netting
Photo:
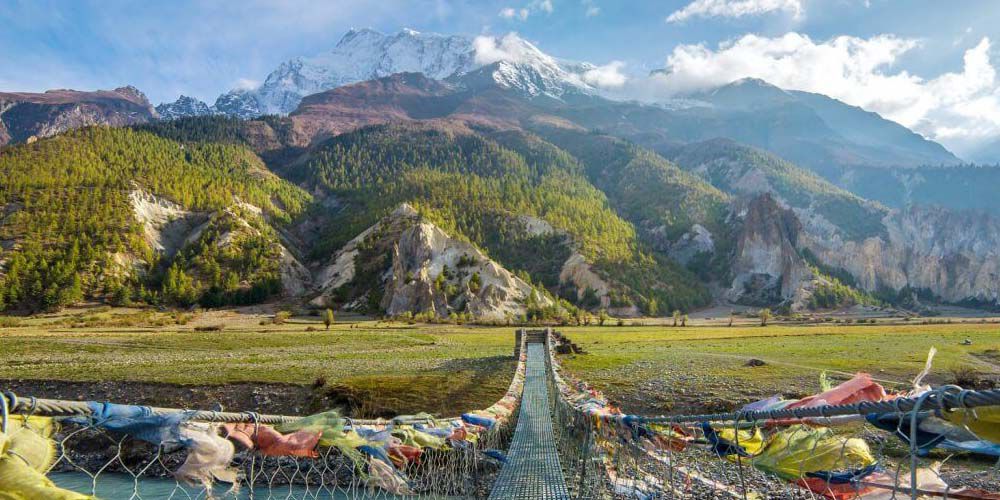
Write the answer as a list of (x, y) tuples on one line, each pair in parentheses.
[(851, 441), (74, 450)]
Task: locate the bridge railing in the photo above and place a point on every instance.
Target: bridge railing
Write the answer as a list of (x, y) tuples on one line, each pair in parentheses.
[(51, 448), (887, 449)]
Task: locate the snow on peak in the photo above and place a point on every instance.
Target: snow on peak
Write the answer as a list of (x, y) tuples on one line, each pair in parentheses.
[(183, 106), (365, 54)]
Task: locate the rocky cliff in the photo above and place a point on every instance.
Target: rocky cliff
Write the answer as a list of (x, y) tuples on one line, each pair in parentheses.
[(169, 229), (27, 116), (955, 255), (767, 267), (182, 107), (406, 264)]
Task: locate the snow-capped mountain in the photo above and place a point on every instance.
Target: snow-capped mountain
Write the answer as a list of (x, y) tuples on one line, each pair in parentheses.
[(242, 103), (516, 64), (183, 106), (367, 54)]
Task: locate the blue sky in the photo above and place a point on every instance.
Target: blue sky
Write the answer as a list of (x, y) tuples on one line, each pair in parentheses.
[(203, 48)]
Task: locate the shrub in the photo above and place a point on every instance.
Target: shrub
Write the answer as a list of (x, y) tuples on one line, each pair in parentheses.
[(280, 317), (8, 322)]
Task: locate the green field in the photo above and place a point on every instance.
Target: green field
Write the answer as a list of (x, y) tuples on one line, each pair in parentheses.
[(378, 368), (663, 369), (403, 368)]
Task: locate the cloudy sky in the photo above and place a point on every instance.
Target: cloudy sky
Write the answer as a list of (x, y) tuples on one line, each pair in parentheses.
[(928, 64)]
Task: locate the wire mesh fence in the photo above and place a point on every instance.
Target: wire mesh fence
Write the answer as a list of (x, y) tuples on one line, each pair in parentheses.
[(71, 450), (879, 447), (930, 443), (135, 453)]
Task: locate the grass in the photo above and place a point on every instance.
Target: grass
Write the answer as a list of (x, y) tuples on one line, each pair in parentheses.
[(437, 368), (663, 369), (445, 369)]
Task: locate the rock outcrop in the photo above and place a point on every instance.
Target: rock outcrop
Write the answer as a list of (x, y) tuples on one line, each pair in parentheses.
[(954, 255), (577, 272), (27, 116), (427, 271), (767, 267), (696, 241), (184, 106), (166, 226)]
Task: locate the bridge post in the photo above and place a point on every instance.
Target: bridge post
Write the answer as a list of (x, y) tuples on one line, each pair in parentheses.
[(518, 337)]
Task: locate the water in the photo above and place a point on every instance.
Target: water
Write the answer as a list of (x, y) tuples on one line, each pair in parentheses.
[(124, 487)]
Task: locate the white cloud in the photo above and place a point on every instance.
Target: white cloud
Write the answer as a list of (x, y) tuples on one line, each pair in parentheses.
[(510, 47), (955, 108), (593, 10), (511, 13), (608, 76), (523, 13), (246, 84), (735, 8)]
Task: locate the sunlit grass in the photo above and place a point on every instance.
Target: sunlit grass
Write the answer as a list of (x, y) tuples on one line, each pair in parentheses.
[(662, 369), (438, 368)]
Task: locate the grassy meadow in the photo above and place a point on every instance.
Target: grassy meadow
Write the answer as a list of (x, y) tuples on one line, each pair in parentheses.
[(403, 368), (670, 369), (381, 368)]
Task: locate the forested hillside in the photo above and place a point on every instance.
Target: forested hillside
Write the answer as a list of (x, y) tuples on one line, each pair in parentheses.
[(473, 186), (744, 170), (69, 230)]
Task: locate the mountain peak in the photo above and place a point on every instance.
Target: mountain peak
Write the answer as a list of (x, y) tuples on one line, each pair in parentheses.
[(366, 54), (531, 80), (183, 106), (752, 82), (133, 94), (748, 93)]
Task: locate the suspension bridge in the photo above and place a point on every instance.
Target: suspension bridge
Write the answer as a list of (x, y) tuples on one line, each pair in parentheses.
[(550, 437)]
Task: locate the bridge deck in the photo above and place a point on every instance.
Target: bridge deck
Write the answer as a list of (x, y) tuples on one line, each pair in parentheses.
[(533, 469)]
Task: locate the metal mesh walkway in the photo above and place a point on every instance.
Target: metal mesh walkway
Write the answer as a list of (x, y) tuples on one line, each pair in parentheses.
[(533, 469)]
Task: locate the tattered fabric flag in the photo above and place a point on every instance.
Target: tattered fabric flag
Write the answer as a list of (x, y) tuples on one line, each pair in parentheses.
[(984, 422), (419, 439), (26, 453), (272, 443), (818, 460), (772, 403), (208, 453), (728, 442), (933, 432), (329, 424), (383, 475), (139, 422), (482, 421), (859, 388), (401, 455), (670, 436), (888, 487), (208, 456)]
